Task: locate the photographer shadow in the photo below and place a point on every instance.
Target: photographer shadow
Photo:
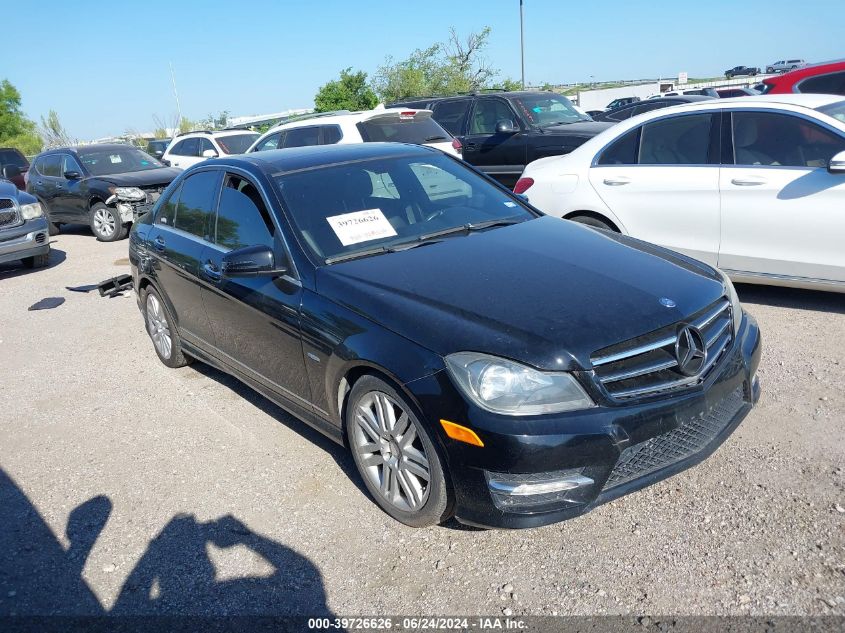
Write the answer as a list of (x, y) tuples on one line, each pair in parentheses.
[(175, 576)]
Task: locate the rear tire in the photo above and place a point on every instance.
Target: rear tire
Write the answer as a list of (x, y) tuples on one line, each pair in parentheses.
[(592, 222), (106, 224), (162, 330), (395, 455), (37, 261)]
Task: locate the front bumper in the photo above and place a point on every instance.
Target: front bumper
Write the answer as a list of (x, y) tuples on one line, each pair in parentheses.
[(594, 455), (27, 240)]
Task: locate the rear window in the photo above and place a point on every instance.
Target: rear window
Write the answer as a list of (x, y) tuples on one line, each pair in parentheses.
[(394, 129), (236, 143), (13, 157), (836, 110), (831, 84)]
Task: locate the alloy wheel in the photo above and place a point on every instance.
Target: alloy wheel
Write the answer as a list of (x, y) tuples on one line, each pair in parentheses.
[(104, 223), (390, 451), (157, 326)]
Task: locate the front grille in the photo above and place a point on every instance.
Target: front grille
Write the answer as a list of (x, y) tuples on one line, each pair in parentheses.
[(678, 444), (647, 365), (8, 213)]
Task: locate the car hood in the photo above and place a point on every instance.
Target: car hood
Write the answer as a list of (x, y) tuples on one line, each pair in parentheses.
[(144, 178), (547, 292), (582, 128)]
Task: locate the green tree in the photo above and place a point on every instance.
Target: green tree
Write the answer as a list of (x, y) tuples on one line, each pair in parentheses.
[(510, 84), (16, 130), (349, 92), (455, 66)]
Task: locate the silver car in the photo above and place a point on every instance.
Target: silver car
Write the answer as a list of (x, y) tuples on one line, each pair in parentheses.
[(785, 65)]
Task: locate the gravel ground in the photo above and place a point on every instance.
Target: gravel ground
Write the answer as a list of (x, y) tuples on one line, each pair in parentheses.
[(131, 488)]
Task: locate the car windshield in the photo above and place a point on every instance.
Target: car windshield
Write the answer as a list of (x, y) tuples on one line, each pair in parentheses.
[(419, 129), (117, 161), (236, 143), (367, 207), (544, 109), (13, 157), (836, 110)]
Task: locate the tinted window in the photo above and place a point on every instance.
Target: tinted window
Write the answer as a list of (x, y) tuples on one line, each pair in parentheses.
[(242, 217), (303, 136), (13, 157), (205, 145), (648, 107), (331, 134), (680, 140), (418, 129), (768, 138), (236, 143), (832, 84), (619, 115), (167, 211), (547, 109), (624, 150), (452, 114), (196, 203), (397, 199), (51, 165), (487, 113), (117, 161), (69, 164), (271, 142), (187, 147)]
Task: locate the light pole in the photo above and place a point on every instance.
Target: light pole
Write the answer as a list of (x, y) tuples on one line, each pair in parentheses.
[(521, 45)]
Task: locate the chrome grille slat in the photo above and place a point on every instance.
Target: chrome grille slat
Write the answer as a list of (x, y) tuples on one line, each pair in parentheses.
[(9, 213), (648, 367)]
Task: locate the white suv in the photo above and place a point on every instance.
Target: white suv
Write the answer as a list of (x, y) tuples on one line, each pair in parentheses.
[(785, 65), (400, 125), (194, 147)]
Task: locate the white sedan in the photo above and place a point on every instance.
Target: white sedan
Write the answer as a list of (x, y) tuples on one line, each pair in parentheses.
[(755, 186)]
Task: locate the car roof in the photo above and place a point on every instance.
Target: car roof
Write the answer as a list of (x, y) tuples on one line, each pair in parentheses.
[(344, 117), (87, 149), (295, 158)]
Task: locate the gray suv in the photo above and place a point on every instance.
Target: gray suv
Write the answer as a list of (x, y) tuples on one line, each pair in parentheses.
[(24, 234), (785, 65)]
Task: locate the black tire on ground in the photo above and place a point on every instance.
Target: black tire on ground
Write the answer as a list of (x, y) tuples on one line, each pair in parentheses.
[(591, 221), (153, 322), (37, 261), (53, 228), (106, 224), (438, 506)]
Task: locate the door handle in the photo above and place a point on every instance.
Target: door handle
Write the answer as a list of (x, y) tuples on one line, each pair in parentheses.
[(211, 272), (748, 182), (159, 243), (616, 182)]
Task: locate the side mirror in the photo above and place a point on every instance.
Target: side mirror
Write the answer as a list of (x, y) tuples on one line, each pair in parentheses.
[(837, 164), (506, 126), (165, 162), (158, 153), (11, 171), (72, 175), (250, 261), (209, 153)]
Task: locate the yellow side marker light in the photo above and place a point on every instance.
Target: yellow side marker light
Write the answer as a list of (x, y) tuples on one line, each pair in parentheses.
[(461, 433)]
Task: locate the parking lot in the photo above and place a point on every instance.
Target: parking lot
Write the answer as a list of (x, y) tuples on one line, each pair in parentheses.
[(188, 493)]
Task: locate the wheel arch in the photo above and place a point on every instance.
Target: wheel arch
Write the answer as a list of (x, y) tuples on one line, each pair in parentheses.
[(602, 217)]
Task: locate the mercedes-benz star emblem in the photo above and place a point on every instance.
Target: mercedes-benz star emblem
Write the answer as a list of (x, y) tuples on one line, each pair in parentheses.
[(667, 302), (690, 351)]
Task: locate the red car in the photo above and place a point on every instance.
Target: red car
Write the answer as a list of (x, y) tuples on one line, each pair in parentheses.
[(827, 78)]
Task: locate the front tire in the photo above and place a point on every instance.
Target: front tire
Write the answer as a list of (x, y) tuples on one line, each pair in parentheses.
[(395, 455), (106, 223), (162, 330)]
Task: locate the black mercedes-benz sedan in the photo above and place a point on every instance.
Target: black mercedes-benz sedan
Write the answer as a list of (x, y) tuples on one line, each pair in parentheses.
[(480, 360)]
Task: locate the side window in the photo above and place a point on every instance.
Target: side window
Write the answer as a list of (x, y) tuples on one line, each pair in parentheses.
[(303, 136), (452, 115), (624, 150), (271, 142), (487, 113), (167, 211), (331, 134), (440, 185), (242, 217), (69, 163), (196, 203), (51, 166), (187, 147), (621, 115), (832, 84), (782, 140), (205, 144), (679, 140)]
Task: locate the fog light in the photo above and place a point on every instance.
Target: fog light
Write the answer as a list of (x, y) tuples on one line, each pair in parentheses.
[(570, 483), (535, 492)]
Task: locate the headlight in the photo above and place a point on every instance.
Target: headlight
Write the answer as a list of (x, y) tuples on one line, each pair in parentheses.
[(503, 386), (31, 211), (736, 307), (129, 193)]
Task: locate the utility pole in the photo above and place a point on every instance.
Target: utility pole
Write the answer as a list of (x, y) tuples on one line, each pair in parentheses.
[(521, 45), (176, 94)]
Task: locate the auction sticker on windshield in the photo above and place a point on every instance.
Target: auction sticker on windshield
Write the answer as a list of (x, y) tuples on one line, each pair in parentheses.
[(361, 226)]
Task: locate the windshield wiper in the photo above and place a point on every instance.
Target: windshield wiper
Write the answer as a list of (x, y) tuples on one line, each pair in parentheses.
[(467, 228), (402, 246)]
